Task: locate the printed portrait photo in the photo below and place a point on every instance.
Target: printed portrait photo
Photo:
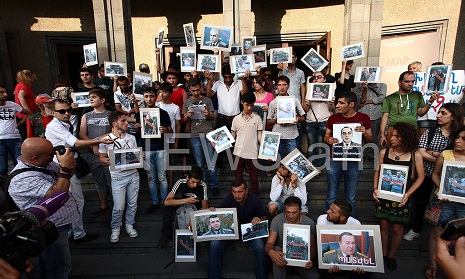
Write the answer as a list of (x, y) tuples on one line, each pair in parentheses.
[(392, 182), (286, 109), (124, 159), (313, 60), (452, 185), (352, 52), (438, 78), (368, 74), (269, 145), (115, 69), (217, 37), (188, 59), (221, 139), (241, 63), (259, 54), (236, 49), (150, 123), (281, 55), (250, 232), (349, 145), (296, 244), (297, 163), (90, 54), (189, 34), (141, 81), (161, 37), (247, 44), (218, 224), (82, 99), (208, 62)]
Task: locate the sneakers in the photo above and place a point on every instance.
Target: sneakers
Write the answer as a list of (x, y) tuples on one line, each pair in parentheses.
[(152, 209), (411, 235), (114, 234), (100, 212), (86, 238), (131, 231)]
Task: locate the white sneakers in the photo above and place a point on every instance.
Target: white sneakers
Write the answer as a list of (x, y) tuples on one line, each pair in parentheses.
[(114, 235), (116, 231), (411, 235), (131, 231)]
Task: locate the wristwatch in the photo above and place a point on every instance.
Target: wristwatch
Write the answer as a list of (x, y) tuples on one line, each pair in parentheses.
[(66, 170)]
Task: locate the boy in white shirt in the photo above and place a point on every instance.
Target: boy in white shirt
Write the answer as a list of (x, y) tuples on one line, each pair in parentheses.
[(338, 214)]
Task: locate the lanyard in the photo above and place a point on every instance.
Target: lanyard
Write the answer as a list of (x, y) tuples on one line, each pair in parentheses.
[(401, 102)]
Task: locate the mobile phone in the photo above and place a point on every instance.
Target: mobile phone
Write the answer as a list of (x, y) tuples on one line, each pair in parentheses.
[(454, 229)]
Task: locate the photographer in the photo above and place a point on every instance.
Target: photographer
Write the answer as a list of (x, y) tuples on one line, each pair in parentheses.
[(451, 265), (43, 178)]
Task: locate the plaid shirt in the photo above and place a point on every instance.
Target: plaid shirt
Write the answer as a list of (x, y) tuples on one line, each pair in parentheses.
[(437, 144)]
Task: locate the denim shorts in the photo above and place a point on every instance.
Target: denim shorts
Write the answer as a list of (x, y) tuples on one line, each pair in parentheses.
[(451, 211), (426, 123), (281, 206)]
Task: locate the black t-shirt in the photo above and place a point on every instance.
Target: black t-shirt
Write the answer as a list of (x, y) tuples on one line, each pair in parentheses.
[(346, 87), (182, 191), (250, 209), (155, 143)]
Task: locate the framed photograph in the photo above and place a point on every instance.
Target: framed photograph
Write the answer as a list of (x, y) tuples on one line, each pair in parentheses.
[(81, 98), (247, 44), (452, 185), (214, 225), (286, 109), (314, 61), (126, 159), (150, 122), (219, 37), (296, 244), (278, 55), (269, 146), (236, 49), (259, 54), (349, 146), (241, 63), (208, 62), (161, 37), (90, 54), (320, 91), (360, 243), (392, 182), (188, 59), (258, 109), (185, 247), (368, 74), (297, 163), (438, 78), (352, 52), (222, 139), (189, 34), (115, 69), (250, 231), (141, 81)]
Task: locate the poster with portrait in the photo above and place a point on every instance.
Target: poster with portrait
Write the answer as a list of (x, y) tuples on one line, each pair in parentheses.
[(140, 82), (247, 44), (150, 122), (236, 49), (297, 163), (258, 109), (452, 185), (185, 247), (438, 78), (392, 182), (115, 69), (241, 63), (269, 146), (260, 57), (286, 109), (320, 91), (250, 232), (189, 34), (221, 139), (208, 62), (217, 37), (90, 54), (81, 98), (125, 159), (352, 52), (219, 224), (296, 244), (314, 61), (361, 245), (349, 145), (281, 55), (188, 59), (368, 74), (161, 37)]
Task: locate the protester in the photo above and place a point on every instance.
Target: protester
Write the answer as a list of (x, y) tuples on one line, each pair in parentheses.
[(37, 122), (345, 81)]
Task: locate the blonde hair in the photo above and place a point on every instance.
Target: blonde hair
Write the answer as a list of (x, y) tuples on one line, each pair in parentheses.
[(24, 75)]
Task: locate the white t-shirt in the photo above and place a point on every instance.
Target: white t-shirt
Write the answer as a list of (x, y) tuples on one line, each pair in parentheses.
[(123, 100), (129, 141), (228, 99), (323, 221), (174, 113), (8, 120)]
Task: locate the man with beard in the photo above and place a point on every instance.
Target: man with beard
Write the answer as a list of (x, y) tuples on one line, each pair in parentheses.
[(37, 122), (338, 214), (126, 103)]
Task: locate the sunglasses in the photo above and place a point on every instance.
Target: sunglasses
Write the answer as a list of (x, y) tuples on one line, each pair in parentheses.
[(318, 76), (63, 111)]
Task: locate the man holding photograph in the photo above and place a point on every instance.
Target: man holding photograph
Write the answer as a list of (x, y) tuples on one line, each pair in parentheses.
[(346, 253), (215, 39)]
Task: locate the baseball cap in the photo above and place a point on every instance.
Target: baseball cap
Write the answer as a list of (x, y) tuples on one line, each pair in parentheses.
[(43, 98), (144, 67)]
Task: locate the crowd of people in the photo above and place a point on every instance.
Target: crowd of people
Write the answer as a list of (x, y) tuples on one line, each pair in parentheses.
[(196, 103)]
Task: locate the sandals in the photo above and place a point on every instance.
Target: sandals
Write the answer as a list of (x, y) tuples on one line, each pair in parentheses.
[(430, 272)]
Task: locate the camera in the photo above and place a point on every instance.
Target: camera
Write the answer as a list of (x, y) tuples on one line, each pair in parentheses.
[(62, 149), (454, 229)]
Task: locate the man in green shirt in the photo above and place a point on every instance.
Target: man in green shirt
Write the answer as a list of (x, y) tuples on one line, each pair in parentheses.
[(403, 106)]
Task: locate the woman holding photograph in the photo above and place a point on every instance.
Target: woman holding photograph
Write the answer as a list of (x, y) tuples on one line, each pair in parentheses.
[(402, 152), (261, 95), (450, 210)]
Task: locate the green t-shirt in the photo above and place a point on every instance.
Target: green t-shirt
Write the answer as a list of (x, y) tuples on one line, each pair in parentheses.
[(403, 108)]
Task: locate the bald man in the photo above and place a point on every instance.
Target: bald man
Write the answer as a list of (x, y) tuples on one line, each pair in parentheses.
[(43, 178)]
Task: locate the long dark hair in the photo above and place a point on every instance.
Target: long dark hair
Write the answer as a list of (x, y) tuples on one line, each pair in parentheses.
[(457, 123)]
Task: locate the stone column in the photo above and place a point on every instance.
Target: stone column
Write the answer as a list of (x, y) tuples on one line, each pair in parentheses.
[(238, 13), (363, 23), (113, 31)]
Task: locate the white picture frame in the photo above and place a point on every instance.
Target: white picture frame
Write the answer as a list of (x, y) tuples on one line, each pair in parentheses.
[(321, 92), (225, 35), (297, 163), (367, 240), (203, 221), (221, 138), (352, 52), (451, 181), (258, 109), (286, 109), (81, 98), (125, 159), (188, 59), (368, 74), (260, 57), (351, 151), (391, 186), (189, 34), (185, 247), (248, 43), (296, 244), (208, 62), (90, 54), (150, 122), (241, 63), (251, 232), (160, 37), (140, 82), (314, 61), (115, 69), (438, 75), (269, 146), (281, 55)]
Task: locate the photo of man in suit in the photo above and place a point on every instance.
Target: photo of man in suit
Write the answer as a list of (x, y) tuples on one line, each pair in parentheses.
[(347, 148), (215, 226), (346, 253), (215, 39)]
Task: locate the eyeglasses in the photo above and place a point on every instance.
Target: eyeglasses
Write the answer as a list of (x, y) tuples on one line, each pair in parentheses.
[(63, 111), (318, 76)]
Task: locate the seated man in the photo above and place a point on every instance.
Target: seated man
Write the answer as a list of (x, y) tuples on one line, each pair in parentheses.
[(283, 185), (249, 210), (273, 247), (188, 194), (338, 214)]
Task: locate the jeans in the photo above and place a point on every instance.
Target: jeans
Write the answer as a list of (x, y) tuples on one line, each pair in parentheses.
[(124, 187), (200, 159), (288, 144), (315, 132), (12, 146), (451, 211), (100, 173), (279, 272), (351, 176), (157, 166), (298, 139), (75, 189), (55, 260), (217, 247)]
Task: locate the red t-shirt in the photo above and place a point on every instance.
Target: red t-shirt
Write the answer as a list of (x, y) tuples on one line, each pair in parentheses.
[(30, 98), (359, 117), (177, 97)]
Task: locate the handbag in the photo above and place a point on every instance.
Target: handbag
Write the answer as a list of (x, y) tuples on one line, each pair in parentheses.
[(82, 168), (433, 212)]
